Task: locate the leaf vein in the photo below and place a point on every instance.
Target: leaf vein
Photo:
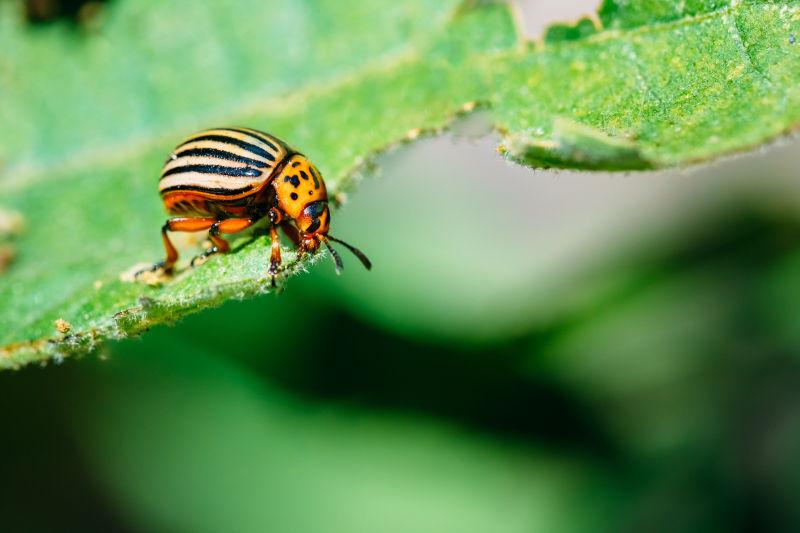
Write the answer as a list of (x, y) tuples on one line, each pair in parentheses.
[(736, 34)]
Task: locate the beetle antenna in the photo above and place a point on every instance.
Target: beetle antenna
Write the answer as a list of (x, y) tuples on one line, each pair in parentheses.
[(337, 260), (356, 252)]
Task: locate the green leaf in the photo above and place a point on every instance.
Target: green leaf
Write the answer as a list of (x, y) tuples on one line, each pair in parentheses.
[(645, 86), (673, 82)]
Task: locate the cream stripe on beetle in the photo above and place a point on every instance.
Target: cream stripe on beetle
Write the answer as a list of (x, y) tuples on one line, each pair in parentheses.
[(194, 147), (222, 159), (210, 183)]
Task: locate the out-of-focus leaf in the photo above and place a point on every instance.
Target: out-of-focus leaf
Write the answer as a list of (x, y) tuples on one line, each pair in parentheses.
[(686, 333), (244, 457), (653, 87)]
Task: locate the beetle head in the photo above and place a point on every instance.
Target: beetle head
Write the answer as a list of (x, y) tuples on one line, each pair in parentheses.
[(314, 219), (314, 224), (310, 243)]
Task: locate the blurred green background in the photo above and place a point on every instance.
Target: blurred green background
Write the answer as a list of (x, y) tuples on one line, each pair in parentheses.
[(577, 352)]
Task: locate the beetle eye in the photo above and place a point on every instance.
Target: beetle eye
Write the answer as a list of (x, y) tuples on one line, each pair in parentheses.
[(315, 209), (315, 217)]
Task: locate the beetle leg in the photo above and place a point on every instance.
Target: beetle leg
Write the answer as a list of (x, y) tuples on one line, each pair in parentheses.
[(275, 254), (290, 231), (235, 225), (177, 224), (275, 218), (220, 245)]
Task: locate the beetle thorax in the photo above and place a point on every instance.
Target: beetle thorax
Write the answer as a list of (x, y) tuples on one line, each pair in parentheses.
[(298, 184)]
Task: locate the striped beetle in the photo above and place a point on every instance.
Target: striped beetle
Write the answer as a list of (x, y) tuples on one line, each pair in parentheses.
[(226, 179)]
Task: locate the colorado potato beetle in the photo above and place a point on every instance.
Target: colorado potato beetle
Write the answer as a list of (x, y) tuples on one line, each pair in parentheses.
[(227, 179)]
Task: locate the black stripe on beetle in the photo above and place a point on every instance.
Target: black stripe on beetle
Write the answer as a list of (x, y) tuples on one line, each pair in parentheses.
[(207, 190), (221, 154), (214, 169), (255, 134), (252, 148), (315, 174)]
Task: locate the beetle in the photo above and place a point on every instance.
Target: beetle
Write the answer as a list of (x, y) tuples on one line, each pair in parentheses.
[(226, 179)]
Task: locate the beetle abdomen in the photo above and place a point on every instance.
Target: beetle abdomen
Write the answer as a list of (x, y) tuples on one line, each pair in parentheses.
[(223, 162), (186, 203)]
